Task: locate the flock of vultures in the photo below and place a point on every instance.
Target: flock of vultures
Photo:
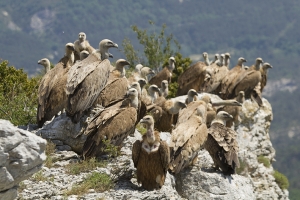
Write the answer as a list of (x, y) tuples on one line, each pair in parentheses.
[(84, 83)]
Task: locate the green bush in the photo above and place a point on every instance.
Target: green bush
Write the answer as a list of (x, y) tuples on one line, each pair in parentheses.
[(18, 95), (281, 180), (264, 160)]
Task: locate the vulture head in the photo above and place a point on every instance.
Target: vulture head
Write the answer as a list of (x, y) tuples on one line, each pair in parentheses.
[(46, 63), (104, 45), (120, 64), (241, 97), (191, 96), (142, 82), (164, 84), (222, 58), (148, 123), (136, 86), (132, 94), (145, 71), (217, 56), (258, 62), (241, 60), (222, 117), (227, 55), (82, 36), (138, 68), (266, 66), (84, 54), (171, 63), (152, 92), (69, 48), (205, 55)]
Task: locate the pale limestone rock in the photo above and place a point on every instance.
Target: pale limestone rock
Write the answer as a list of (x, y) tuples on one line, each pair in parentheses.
[(21, 155), (64, 133)]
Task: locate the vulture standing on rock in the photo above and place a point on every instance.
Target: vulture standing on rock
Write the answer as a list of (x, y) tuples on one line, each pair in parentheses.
[(116, 87), (86, 79), (188, 136), (113, 123), (222, 145), (231, 77), (192, 78), (82, 44), (247, 81), (165, 114), (192, 95), (264, 75), (165, 74), (51, 93), (151, 157)]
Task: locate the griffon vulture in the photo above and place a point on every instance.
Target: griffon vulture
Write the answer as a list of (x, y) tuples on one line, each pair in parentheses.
[(86, 79), (151, 157), (165, 74), (188, 136), (51, 93), (222, 145), (82, 45), (113, 123)]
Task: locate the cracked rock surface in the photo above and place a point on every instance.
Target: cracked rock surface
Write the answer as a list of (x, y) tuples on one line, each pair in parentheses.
[(22, 154)]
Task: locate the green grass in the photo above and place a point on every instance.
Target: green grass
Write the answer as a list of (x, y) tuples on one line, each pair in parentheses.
[(84, 166), (264, 160), (50, 149), (98, 181), (281, 180), (241, 169)]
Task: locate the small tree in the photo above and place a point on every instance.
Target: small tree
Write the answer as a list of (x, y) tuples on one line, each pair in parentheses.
[(18, 95), (157, 47)]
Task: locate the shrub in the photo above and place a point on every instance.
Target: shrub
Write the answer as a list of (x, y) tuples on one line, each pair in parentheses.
[(18, 95), (242, 168), (263, 160), (281, 180)]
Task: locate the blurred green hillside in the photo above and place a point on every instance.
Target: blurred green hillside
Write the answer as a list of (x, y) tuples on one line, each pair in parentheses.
[(32, 29)]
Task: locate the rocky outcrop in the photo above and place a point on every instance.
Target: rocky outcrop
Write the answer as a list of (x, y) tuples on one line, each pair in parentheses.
[(254, 141), (64, 133), (21, 155), (253, 181)]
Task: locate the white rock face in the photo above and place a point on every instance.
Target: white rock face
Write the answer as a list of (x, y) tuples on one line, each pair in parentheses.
[(254, 140), (21, 155)]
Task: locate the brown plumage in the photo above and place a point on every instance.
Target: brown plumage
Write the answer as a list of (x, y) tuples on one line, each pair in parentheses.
[(165, 114), (114, 123), (232, 107), (113, 92), (188, 136), (86, 79), (231, 77), (51, 94), (151, 157), (247, 81), (165, 74), (192, 78), (212, 85), (264, 75), (191, 96), (222, 145), (82, 45)]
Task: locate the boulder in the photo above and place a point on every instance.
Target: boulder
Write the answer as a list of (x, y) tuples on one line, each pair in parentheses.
[(22, 154)]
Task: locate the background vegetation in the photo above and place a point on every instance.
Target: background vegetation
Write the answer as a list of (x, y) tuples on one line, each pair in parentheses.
[(31, 30)]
